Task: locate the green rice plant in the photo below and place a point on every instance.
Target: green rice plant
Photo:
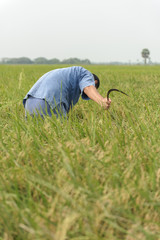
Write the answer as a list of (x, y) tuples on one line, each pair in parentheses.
[(93, 176)]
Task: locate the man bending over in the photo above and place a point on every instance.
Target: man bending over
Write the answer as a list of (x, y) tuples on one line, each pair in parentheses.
[(58, 90)]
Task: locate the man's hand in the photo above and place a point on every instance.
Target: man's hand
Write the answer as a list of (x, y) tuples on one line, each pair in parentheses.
[(106, 103), (93, 94)]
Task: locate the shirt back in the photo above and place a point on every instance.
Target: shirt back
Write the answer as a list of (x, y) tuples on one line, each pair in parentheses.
[(62, 85)]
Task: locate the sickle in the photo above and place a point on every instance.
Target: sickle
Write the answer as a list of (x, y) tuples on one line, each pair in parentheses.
[(114, 89)]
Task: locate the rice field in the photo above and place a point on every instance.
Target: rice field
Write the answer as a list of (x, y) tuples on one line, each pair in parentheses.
[(93, 176)]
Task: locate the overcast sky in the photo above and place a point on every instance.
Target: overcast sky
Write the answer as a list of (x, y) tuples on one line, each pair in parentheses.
[(100, 30)]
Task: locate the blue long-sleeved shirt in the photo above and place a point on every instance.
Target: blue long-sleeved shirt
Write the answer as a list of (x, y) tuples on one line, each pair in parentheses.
[(64, 85)]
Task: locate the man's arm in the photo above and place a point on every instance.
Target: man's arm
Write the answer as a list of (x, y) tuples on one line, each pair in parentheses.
[(93, 94)]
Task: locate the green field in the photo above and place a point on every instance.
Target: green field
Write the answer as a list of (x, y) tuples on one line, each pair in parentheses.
[(95, 176)]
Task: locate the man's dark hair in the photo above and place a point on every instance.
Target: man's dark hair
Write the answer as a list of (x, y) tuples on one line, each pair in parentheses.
[(96, 78)]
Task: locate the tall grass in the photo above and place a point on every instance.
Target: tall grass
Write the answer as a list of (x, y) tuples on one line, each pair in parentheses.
[(94, 176)]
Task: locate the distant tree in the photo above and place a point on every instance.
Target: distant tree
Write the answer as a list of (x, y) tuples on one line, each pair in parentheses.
[(70, 61), (41, 60), (22, 60), (54, 61), (4, 60), (75, 61), (145, 54), (86, 61)]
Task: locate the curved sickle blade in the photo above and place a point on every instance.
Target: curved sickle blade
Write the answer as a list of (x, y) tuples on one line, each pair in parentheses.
[(114, 89)]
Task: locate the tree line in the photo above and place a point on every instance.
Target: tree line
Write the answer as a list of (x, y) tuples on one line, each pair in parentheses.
[(42, 60)]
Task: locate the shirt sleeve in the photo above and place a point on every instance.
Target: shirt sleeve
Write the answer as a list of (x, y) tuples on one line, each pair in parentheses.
[(86, 80)]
